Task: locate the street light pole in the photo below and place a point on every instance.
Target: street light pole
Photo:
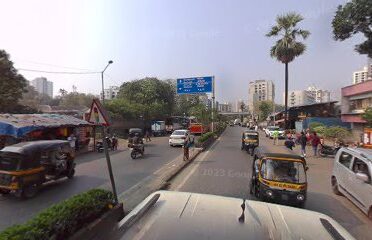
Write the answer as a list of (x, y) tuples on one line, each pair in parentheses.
[(104, 140), (103, 86)]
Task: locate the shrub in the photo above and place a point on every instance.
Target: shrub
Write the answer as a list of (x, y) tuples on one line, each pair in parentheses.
[(313, 125), (320, 130), (336, 132), (206, 136), (62, 220)]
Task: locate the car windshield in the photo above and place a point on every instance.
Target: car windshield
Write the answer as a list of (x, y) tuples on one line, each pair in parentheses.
[(283, 171), (9, 161), (179, 133)]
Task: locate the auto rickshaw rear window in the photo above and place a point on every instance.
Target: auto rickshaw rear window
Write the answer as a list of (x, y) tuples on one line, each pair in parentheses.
[(251, 135), (283, 171), (9, 161)]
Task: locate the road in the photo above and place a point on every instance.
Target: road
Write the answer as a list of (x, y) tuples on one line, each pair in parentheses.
[(225, 170), (91, 172)]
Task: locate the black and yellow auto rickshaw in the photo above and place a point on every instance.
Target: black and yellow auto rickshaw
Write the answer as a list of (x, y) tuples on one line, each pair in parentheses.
[(25, 166), (280, 178), (250, 140)]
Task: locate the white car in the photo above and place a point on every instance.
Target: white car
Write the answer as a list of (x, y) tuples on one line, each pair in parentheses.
[(270, 130), (351, 177), (178, 137)]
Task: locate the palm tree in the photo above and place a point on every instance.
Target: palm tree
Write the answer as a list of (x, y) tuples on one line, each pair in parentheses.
[(287, 48)]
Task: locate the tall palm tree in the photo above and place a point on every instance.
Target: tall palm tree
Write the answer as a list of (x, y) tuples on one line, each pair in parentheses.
[(286, 49)]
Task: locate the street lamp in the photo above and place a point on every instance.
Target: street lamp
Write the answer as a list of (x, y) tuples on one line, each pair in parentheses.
[(103, 87)]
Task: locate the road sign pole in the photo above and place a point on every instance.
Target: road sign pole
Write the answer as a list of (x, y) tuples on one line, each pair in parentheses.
[(109, 164), (213, 103)]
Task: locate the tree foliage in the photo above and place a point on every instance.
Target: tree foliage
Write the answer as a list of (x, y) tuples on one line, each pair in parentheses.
[(287, 48), (353, 18), (75, 99), (202, 113), (367, 115), (265, 108), (12, 84)]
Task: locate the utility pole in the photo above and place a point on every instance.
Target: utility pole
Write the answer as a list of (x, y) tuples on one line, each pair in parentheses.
[(213, 102)]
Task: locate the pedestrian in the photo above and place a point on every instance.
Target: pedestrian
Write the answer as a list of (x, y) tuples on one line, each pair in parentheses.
[(303, 142), (256, 128), (114, 141), (275, 136), (148, 139), (289, 143), (315, 141), (72, 140), (186, 147)]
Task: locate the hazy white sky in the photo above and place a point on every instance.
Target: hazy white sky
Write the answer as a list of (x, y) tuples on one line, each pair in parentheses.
[(171, 39)]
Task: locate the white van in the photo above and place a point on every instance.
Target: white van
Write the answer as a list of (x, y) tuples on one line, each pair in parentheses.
[(351, 177)]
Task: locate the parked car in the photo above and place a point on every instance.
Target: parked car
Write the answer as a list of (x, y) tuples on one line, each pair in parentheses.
[(270, 130), (351, 177), (178, 137), (182, 215)]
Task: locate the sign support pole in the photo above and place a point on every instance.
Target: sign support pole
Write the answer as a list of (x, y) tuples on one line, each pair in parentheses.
[(112, 180), (213, 103)]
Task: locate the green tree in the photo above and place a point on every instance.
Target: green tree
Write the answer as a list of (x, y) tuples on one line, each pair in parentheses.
[(367, 115), (265, 109), (287, 48), (202, 113), (353, 18), (75, 99), (12, 84), (184, 103), (156, 98)]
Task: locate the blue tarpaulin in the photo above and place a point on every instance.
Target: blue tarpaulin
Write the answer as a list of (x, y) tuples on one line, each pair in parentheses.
[(19, 125)]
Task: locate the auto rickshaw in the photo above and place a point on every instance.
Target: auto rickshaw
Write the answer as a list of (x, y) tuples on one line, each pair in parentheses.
[(279, 178), (25, 166), (250, 140)]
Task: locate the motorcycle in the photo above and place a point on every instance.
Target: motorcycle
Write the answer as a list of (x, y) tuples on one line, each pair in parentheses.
[(326, 150), (100, 148), (136, 150)]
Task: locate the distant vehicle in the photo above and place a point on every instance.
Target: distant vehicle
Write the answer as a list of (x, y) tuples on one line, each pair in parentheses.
[(196, 128), (270, 130), (250, 140), (183, 216), (326, 150), (280, 178), (158, 128), (231, 124), (25, 166), (178, 137), (351, 177), (237, 121), (176, 123)]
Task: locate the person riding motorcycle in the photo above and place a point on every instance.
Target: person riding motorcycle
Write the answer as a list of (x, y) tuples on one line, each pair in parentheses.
[(137, 142)]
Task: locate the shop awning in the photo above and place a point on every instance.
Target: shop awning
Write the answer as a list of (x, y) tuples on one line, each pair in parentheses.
[(18, 125)]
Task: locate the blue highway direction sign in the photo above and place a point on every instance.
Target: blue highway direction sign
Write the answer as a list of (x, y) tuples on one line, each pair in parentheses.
[(194, 85)]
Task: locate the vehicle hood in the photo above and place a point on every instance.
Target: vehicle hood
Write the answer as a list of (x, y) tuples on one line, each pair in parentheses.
[(181, 215)]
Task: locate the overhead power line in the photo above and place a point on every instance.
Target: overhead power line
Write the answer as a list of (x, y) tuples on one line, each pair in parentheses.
[(53, 72)]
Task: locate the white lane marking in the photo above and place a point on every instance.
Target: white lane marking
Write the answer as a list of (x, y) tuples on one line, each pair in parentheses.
[(195, 167)]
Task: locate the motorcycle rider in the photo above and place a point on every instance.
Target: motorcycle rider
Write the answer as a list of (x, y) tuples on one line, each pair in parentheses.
[(138, 142)]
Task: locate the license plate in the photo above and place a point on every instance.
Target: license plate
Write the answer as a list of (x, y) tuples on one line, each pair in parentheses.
[(284, 197)]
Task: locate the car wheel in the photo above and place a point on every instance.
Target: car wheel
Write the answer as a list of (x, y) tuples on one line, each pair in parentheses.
[(30, 191), (335, 187)]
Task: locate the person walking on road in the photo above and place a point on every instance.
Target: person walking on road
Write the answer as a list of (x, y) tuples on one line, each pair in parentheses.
[(314, 143), (303, 142), (148, 139), (186, 147), (275, 136)]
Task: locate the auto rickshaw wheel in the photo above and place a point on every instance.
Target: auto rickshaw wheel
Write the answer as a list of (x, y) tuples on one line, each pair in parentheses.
[(4, 191), (29, 191)]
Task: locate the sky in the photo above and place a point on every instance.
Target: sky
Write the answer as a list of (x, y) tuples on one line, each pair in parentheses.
[(173, 39)]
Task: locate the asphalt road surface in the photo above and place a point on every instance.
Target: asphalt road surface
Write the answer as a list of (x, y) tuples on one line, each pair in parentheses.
[(225, 170), (91, 172)]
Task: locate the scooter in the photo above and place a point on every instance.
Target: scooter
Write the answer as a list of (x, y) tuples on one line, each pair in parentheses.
[(137, 150), (100, 148), (326, 150)]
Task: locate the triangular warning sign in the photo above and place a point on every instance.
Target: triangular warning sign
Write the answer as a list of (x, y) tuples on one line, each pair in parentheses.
[(97, 114)]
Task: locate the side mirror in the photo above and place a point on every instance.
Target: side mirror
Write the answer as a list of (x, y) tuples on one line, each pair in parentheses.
[(362, 176)]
